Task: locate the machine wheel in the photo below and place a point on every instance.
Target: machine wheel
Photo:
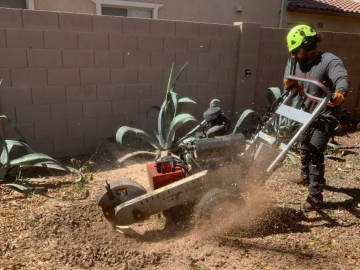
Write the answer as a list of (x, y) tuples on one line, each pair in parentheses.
[(217, 204), (179, 214)]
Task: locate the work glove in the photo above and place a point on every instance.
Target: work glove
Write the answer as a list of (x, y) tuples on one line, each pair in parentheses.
[(289, 84), (337, 98)]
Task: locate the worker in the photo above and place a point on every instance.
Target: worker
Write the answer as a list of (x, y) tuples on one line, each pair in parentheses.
[(327, 68)]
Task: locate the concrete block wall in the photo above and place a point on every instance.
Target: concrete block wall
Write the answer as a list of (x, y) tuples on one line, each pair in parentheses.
[(72, 79)]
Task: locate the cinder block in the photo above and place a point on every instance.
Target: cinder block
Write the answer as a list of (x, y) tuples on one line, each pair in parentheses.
[(5, 76), (249, 31), (187, 29), (82, 126), (61, 40), (332, 48), (339, 38), (201, 105), (26, 129), (210, 31), (244, 102), (344, 49), (218, 74), (135, 120), (66, 111), (232, 74), (190, 58), (226, 88), (15, 96), (96, 109), (198, 45), (252, 46), (263, 60), (2, 39), (248, 60), (266, 33), (25, 77), (145, 104), (280, 34), (24, 39), (44, 58), (81, 93), (231, 32), (106, 59), (355, 50), (228, 60), (32, 113), (48, 95), (162, 60), (327, 37), (125, 107), (276, 83), (174, 44), (75, 22), (353, 71), (95, 76), (136, 60), (63, 76), (207, 89), (219, 46), (68, 144), (270, 47), (77, 59), (42, 20), (9, 111), (253, 73), (50, 129), (110, 124), (110, 92), (279, 60), (124, 75), (138, 91), (124, 43), (44, 146), (136, 26), (186, 89), (10, 18), (150, 44), (151, 75), (107, 24), (93, 41), (234, 46), (269, 73), (208, 60), (245, 87), (158, 90), (13, 58), (197, 75), (182, 77), (162, 28), (352, 39), (94, 140)]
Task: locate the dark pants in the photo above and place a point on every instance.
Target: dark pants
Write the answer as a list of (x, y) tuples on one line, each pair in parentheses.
[(313, 143)]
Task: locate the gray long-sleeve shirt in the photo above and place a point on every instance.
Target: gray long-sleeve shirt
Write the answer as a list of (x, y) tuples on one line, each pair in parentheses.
[(328, 69)]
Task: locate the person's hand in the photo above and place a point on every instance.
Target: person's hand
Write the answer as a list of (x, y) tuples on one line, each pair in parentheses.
[(337, 98), (289, 84)]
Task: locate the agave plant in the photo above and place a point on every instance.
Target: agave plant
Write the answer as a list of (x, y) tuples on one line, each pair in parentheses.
[(25, 157), (169, 121)]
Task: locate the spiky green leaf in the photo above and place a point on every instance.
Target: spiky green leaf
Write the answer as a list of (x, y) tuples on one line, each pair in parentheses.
[(177, 122), (138, 133), (212, 102), (244, 115), (138, 153)]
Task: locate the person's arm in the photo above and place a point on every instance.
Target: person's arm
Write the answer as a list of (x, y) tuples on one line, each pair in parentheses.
[(338, 75)]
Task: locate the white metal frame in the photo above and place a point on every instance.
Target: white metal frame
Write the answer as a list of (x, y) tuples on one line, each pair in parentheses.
[(127, 4)]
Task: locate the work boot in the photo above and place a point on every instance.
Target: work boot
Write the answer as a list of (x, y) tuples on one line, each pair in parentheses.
[(299, 181), (312, 203)]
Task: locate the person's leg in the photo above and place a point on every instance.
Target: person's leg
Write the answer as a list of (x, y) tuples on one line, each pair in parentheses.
[(304, 141)]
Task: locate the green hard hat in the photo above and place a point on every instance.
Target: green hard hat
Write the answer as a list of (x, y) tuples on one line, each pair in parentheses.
[(297, 34)]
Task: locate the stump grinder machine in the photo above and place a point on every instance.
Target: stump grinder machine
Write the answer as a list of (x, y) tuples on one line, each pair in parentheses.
[(214, 167)]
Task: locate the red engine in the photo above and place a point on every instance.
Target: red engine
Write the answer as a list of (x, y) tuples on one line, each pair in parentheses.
[(163, 172)]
